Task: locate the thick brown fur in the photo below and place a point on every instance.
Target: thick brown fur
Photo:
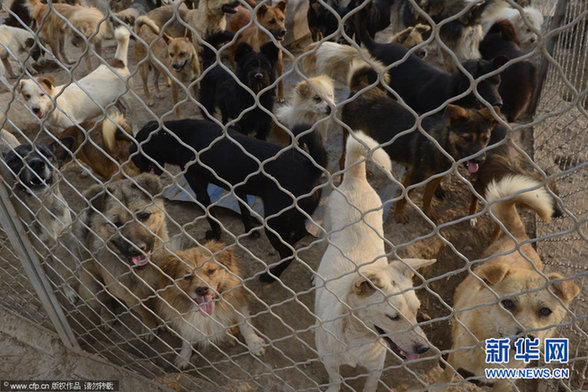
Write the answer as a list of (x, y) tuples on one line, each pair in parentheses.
[(175, 57), (123, 227), (274, 20), (104, 147)]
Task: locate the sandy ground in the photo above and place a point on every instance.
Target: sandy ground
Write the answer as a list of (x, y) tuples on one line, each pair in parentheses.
[(282, 312)]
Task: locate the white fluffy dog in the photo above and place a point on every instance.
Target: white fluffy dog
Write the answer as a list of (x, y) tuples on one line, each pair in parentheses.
[(526, 30), (311, 102), (364, 304), (82, 100)]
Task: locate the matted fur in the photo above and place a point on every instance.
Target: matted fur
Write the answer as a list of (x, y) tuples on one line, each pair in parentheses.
[(511, 296), (206, 277)]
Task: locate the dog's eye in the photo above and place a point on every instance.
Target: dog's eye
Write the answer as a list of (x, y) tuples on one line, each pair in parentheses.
[(27, 96), (317, 99), (273, 21), (182, 54), (117, 222), (544, 312), (210, 271), (171, 55), (143, 216), (41, 95), (394, 318), (508, 304), (528, 30)]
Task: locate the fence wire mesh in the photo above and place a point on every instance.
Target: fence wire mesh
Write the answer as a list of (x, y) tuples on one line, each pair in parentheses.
[(101, 269)]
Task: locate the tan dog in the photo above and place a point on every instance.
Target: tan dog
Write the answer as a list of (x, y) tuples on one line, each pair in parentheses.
[(411, 37), (272, 19), (122, 230), (510, 296), (104, 146), (175, 56), (203, 297)]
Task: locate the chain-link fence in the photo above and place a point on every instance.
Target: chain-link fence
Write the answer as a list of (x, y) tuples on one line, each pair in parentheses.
[(120, 264)]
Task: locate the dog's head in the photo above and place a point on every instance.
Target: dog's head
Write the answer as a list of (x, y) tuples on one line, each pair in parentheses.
[(535, 20), (219, 7), (469, 132), (527, 303), (37, 94), (180, 51), (376, 302), (315, 98), (274, 19), (487, 87), (149, 156), (203, 274), (411, 37), (256, 69), (36, 166), (128, 217)]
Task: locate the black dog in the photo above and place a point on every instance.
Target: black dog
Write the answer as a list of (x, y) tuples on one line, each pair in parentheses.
[(424, 87), (219, 89), (518, 81), (286, 194)]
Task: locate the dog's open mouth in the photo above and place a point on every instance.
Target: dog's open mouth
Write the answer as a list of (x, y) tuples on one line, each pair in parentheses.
[(206, 303), (179, 67), (230, 8), (141, 260), (394, 347), (40, 114), (279, 36), (472, 166)]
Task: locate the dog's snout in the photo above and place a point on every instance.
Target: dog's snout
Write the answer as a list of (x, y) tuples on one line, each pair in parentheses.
[(533, 39), (258, 75), (282, 32), (37, 165), (328, 111), (202, 290), (421, 53), (36, 110), (420, 348)]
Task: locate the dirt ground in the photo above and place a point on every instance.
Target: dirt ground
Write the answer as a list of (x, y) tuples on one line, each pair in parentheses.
[(282, 311)]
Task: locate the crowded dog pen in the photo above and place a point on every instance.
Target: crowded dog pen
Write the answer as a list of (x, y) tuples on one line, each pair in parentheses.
[(301, 195)]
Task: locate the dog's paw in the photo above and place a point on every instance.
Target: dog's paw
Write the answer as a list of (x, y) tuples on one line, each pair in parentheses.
[(182, 362), (150, 102), (473, 222), (256, 346), (160, 95)]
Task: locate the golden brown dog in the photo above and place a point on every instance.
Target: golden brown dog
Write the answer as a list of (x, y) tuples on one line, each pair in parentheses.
[(509, 296), (104, 146), (123, 231), (203, 296), (171, 56), (272, 19)]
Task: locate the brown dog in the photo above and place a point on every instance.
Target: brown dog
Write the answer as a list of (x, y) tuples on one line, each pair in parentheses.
[(104, 146), (507, 296), (175, 56), (272, 19)]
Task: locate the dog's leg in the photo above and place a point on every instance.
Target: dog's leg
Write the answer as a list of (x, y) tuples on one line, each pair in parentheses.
[(286, 254), (280, 71), (144, 73), (375, 369), (335, 379), (174, 90), (473, 209), (254, 341), (199, 187), (428, 198), (61, 51), (156, 74), (249, 222), (8, 67), (183, 359), (445, 378), (399, 212)]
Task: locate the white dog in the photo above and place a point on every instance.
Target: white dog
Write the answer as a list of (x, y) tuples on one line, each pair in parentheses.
[(363, 303), (70, 104), (311, 102), (17, 44), (526, 30)]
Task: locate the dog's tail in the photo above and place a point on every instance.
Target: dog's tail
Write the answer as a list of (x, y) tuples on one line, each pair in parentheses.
[(87, 19), (313, 142), (215, 40), (524, 190), (363, 74), (360, 21), (122, 35), (147, 21), (361, 146), (115, 129)]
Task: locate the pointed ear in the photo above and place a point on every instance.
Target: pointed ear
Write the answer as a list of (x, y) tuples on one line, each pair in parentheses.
[(422, 28), (414, 263), (565, 289), (303, 89), (282, 5), (148, 182), (364, 287), (401, 36), (189, 36), (243, 49), (96, 196), (493, 273), (20, 86), (262, 10), (166, 38), (62, 149), (487, 114), (455, 113), (270, 51), (225, 257)]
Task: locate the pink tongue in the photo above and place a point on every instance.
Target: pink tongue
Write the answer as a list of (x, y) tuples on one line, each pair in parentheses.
[(140, 260), (206, 305), (472, 167), (411, 357)]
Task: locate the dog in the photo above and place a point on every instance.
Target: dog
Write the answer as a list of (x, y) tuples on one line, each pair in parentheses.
[(411, 37), (202, 297), (137, 8), (322, 22), (311, 103), (175, 56), (526, 29), (358, 306), (63, 106), (528, 302), (18, 44), (219, 89), (123, 230), (517, 82), (424, 87), (104, 147), (241, 17), (272, 19), (177, 143), (462, 133)]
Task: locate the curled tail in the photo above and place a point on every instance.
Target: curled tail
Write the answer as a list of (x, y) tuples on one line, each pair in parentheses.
[(215, 40), (115, 130), (122, 35), (147, 21), (359, 146), (538, 199)]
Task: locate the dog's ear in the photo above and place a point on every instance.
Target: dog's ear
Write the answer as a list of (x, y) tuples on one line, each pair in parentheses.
[(499, 61), (282, 5), (414, 264), (422, 28), (223, 254), (20, 86), (62, 149), (270, 51), (170, 262), (487, 114), (29, 42), (96, 196), (189, 36), (243, 49), (149, 182), (262, 10), (47, 82), (493, 273), (166, 38), (564, 289), (455, 113), (401, 36), (303, 89), (364, 287)]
